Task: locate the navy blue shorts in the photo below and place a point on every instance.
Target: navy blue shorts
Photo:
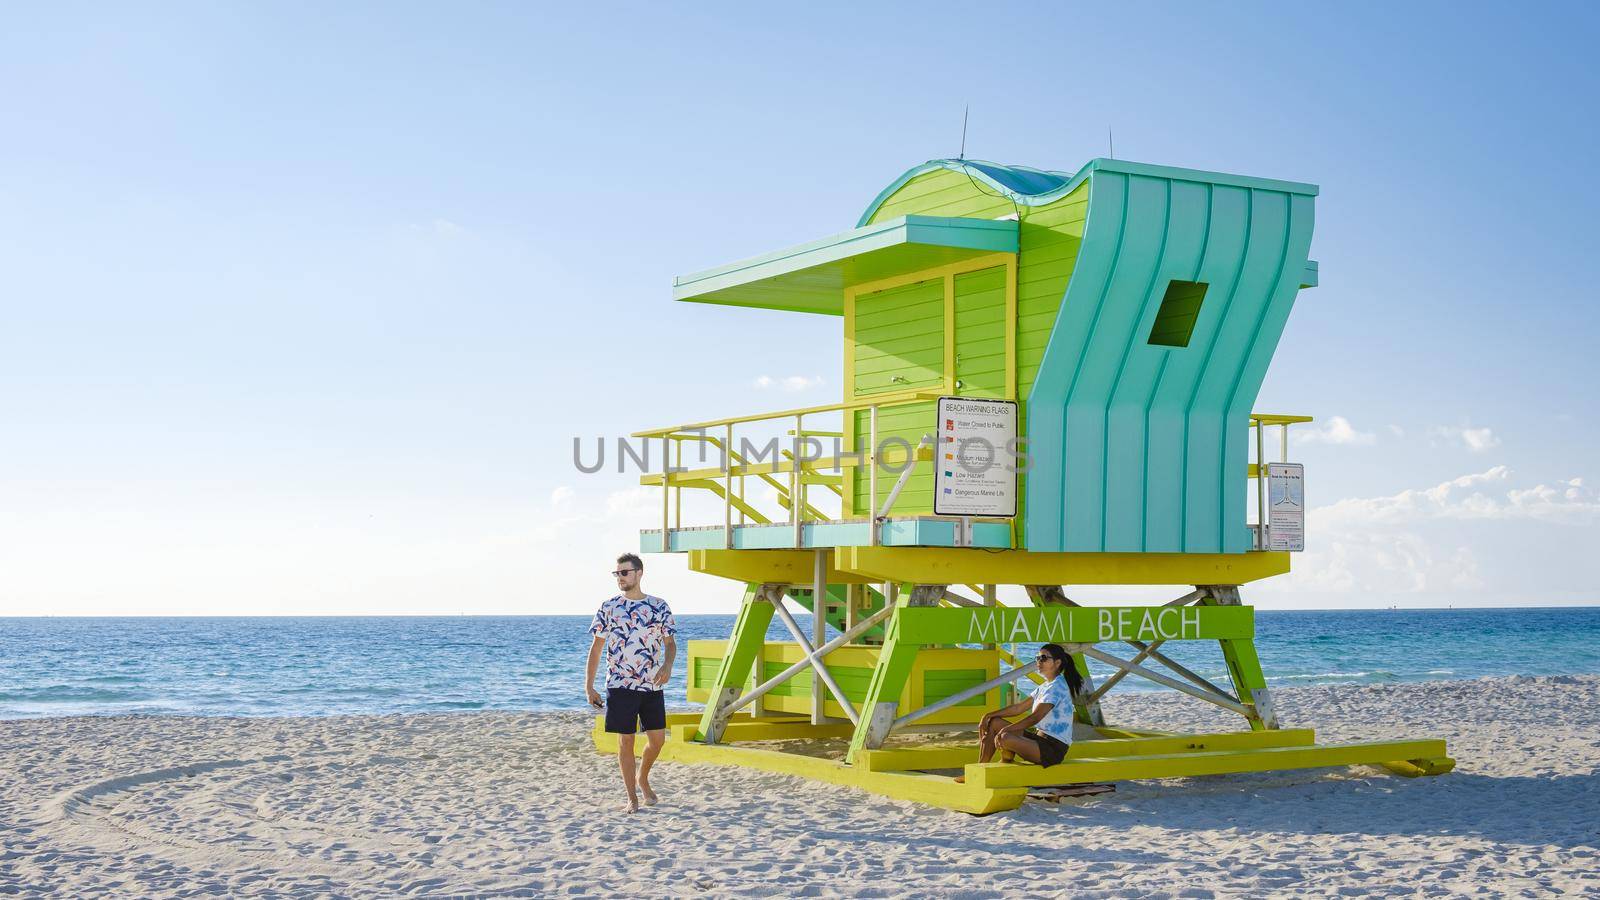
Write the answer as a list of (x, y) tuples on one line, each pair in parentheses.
[(627, 709)]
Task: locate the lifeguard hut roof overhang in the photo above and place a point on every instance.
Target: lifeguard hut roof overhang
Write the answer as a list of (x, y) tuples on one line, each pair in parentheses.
[(1116, 324), (1140, 308), (812, 277)]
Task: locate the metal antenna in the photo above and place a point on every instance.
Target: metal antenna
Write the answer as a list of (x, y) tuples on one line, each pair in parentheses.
[(1111, 146), (964, 109)]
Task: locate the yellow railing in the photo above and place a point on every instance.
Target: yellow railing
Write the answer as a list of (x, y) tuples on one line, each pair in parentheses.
[(803, 472), (792, 491), (1259, 423)]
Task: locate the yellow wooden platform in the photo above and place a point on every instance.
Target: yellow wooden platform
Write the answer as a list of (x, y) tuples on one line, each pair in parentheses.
[(904, 772), (935, 674)]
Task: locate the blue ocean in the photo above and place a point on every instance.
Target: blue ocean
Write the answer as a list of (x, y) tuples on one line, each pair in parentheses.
[(274, 666)]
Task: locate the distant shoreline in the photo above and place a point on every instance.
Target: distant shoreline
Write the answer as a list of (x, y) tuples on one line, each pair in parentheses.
[(319, 666), (1259, 611)]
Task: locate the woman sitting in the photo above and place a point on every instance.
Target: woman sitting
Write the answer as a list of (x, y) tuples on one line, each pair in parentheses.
[(1044, 735)]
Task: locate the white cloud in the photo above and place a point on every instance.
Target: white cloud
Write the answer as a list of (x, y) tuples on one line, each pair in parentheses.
[(1388, 544), (634, 503), (561, 498), (1336, 430), (790, 383), (1477, 440), (1467, 498)]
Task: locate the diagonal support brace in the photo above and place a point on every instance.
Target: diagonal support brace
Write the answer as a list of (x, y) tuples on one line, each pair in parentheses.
[(815, 660)]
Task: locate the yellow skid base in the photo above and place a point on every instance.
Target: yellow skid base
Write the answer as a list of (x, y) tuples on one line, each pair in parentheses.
[(960, 756), (1210, 762), (993, 787), (932, 790)]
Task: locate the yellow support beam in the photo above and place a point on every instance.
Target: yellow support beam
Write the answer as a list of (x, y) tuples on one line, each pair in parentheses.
[(738, 502), (796, 729), (948, 565), (761, 566), (1416, 768), (956, 757), (1183, 765)]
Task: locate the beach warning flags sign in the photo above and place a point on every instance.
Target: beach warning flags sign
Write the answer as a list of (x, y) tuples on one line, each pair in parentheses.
[(979, 475)]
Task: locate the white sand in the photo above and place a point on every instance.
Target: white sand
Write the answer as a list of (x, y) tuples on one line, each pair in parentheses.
[(518, 804)]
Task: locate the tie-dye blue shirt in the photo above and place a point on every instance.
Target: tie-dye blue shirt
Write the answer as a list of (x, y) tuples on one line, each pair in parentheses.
[(636, 633), (1058, 721)]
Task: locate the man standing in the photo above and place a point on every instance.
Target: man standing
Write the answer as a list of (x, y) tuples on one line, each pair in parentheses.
[(637, 631)]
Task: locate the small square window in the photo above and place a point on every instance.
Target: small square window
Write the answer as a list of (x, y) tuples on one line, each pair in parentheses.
[(1180, 309)]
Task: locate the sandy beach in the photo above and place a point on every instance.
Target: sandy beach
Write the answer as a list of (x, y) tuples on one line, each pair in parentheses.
[(518, 804)]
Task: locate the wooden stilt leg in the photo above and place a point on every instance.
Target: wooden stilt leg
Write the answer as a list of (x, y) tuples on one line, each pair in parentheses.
[(749, 633), (895, 661), (819, 631), (1244, 666)]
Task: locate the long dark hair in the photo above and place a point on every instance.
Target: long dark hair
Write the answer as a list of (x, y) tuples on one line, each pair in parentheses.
[(1068, 670)]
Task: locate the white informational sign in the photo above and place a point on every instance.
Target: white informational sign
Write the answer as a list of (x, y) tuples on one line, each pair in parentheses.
[(975, 458), (1286, 506)]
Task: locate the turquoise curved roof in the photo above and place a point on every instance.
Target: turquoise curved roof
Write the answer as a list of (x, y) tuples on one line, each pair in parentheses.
[(1021, 184)]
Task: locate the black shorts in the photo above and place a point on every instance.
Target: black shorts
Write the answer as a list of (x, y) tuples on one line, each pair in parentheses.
[(627, 709), (1051, 751)]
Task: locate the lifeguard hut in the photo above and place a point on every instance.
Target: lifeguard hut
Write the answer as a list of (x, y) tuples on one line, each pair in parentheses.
[(1048, 382)]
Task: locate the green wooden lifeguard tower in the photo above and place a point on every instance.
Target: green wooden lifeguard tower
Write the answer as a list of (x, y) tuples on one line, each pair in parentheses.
[(1096, 341)]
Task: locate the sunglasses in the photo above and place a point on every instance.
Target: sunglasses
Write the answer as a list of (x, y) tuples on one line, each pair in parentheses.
[(621, 572), (1044, 658)]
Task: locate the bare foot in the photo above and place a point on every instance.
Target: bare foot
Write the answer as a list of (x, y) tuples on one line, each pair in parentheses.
[(633, 804), (650, 798)]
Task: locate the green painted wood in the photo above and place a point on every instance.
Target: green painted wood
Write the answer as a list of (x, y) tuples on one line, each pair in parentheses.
[(1049, 240), (704, 672), (853, 680), (1063, 624), (749, 633), (1244, 668), (811, 277), (836, 616), (980, 334), (895, 662), (899, 345), (938, 684)]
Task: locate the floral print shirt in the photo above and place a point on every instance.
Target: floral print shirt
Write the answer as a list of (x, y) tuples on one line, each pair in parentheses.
[(636, 633)]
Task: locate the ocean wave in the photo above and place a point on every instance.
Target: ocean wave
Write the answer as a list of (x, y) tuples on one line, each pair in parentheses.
[(70, 693), (1375, 673), (337, 690)]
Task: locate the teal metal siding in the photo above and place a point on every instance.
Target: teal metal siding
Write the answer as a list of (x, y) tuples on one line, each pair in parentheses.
[(1143, 448)]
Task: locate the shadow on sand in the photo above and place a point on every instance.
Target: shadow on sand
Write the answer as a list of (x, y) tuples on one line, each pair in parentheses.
[(1563, 811)]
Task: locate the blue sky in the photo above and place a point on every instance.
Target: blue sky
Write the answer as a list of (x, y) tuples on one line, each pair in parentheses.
[(304, 305)]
